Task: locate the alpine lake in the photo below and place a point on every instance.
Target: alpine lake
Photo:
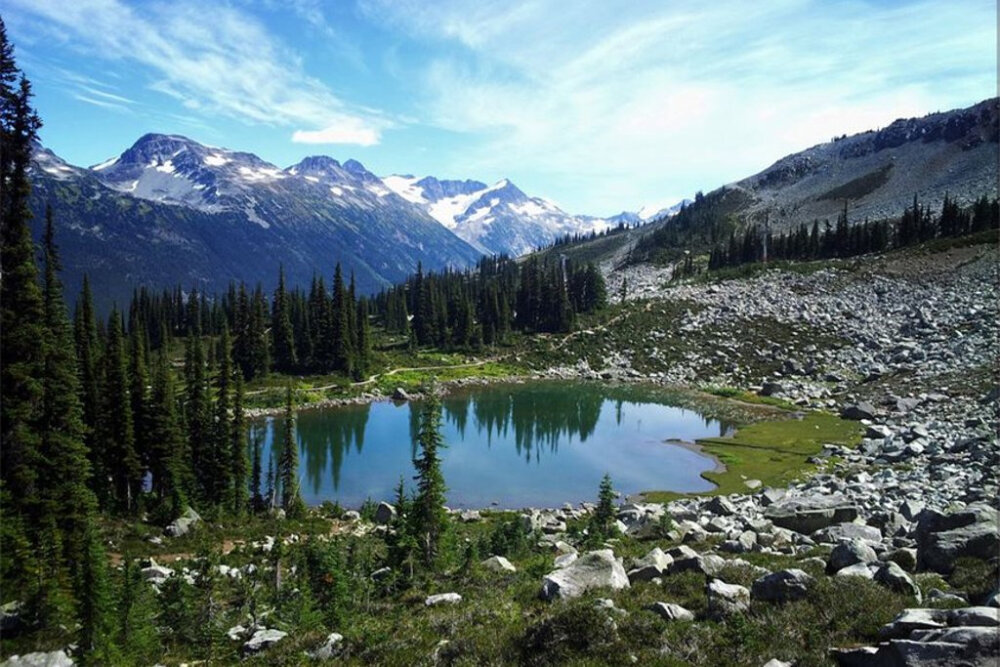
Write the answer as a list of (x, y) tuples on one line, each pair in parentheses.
[(532, 444)]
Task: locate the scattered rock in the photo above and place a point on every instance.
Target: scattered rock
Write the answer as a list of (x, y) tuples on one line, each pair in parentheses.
[(263, 639), (726, 599), (182, 524), (330, 648), (39, 659), (443, 598), (943, 538), (782, 586), (399, 394), (850, 553), (858, 411), (596, 569), (893, 577), (498, 564), (810, 513), (652, 565), (671, 612)]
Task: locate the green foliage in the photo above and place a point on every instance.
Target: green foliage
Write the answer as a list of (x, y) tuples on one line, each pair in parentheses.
[(579, 630), (602, 521), (429, 520), (288, 467), (136, 612)]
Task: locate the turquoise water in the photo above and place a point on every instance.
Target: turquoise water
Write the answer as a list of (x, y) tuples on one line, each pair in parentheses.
[(518, 445)]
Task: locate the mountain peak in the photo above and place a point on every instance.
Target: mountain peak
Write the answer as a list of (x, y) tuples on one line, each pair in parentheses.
[(315, 163)]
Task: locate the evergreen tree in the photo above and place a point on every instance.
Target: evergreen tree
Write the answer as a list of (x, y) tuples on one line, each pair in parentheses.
[(167, 461), (343, 357), (116, 427), (282, 335), (197, 417), (139, 392), (66, 470), (222, 436), (604, 514), (96, 638), (22, 322), (238, 449), (88, 362), (288, 468), (429, 519), (135, 631)]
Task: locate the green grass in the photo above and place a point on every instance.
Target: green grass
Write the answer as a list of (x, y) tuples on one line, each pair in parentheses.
[(774, 452), (745, 396)]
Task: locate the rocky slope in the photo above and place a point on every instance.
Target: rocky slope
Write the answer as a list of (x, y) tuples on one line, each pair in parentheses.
[(878, 172)]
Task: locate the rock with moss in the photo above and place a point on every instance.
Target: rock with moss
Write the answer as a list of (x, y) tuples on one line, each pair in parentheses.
[(726, 599), (942, 538), (783, 586)]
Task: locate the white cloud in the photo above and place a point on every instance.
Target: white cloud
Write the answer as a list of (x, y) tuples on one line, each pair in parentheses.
[(218, 61), (346, 133), (618, 104)]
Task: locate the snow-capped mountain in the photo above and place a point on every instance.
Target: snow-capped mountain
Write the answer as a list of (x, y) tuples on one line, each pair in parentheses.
[(171, 210), (497, 218)]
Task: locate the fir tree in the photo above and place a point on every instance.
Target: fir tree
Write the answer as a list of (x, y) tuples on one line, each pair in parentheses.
[(604, 514), (429, 519), (88, 363), (282, 335), (167, 460), (116, 427), (66, 470), (288, 468), (238, 449), (22, 320), (135, 606)]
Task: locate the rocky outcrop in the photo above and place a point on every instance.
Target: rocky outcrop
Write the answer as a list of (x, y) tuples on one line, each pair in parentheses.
[(932, 638), (943, 537), (810, 513)]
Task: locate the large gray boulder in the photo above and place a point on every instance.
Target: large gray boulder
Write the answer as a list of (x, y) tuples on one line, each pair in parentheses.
[(498, 564), (942, 538), (850, 553), (810, 513), (858, 411), (652, 565), (932, 638), (596, 569), (782, 586), (895, 578), (39, 659), (726, 599), (262, 639)]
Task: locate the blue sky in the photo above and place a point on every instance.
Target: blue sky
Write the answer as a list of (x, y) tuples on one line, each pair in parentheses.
[(600, 106)]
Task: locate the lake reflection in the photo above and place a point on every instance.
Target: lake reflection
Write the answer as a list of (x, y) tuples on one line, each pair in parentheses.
[(535, 444)]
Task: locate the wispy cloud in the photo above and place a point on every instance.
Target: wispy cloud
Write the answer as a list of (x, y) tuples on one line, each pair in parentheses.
[(620, 100), (221, 62), (348, 132)]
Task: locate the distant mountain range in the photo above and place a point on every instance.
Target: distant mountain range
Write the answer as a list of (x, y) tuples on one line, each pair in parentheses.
[(495, 219), (171, 210)]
